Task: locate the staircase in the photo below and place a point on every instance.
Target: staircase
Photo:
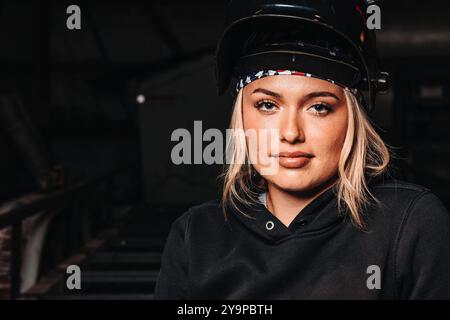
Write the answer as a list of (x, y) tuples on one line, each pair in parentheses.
[(122, 264)]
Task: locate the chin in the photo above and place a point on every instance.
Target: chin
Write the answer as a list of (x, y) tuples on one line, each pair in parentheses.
[(293, 182), (297, 180)]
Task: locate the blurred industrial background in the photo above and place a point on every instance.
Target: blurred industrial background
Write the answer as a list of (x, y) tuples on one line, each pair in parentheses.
[(86, 118)]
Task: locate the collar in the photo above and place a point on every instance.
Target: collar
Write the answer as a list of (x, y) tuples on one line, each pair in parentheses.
[(319, 215)]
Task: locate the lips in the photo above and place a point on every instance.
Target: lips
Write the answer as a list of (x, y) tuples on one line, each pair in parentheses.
[(294, 154), (294, 159)]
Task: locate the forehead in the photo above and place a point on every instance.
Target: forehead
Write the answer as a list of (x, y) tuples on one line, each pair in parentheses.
[(293, 83)]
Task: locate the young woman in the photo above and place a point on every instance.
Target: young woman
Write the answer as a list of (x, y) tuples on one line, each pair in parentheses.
[(327, 223)]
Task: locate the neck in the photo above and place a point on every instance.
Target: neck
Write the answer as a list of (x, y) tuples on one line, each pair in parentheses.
[(286, 205)]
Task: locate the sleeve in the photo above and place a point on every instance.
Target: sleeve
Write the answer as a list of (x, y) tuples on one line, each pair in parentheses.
[(423, 250), (172, 281)]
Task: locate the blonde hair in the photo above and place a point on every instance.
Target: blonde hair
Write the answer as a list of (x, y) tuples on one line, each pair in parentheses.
[(364, 155)]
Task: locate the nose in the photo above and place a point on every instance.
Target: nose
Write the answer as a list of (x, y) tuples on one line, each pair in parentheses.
[(290, 127)]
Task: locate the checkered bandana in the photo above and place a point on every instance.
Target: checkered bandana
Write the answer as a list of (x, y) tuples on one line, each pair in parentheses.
[(244, 80)]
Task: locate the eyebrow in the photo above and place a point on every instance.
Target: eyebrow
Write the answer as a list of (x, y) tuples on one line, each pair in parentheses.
[(310, 95)]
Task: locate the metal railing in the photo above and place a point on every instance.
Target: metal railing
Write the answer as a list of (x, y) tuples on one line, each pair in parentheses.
[(14, 212)]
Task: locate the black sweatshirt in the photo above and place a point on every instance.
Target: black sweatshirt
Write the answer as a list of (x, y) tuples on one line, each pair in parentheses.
[(403, 254)]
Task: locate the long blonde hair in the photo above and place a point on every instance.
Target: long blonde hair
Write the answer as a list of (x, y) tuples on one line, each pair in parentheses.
[(364, 155)]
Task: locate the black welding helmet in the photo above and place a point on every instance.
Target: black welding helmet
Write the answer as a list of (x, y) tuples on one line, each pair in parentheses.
[(328, 38)]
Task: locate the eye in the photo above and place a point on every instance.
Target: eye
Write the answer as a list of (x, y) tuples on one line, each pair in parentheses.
[(320, 109), (266, 106)]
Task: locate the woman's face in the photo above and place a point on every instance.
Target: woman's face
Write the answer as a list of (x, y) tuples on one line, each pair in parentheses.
[(310, 120)]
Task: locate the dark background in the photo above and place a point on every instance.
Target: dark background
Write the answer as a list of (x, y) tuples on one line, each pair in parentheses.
[(78, 91)]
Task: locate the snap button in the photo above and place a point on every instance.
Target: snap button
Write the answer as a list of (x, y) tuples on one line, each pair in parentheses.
[(269, 225), (302, 223)]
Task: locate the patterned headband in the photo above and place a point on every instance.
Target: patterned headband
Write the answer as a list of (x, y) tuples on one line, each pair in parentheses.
[(244, 80)]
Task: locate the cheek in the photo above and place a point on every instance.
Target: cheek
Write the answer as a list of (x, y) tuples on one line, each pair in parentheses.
[(252, 123), (328, 138), (253, 119), (262, 132)]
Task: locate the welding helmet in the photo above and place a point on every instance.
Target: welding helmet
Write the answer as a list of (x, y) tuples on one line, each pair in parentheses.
[(326, 38)]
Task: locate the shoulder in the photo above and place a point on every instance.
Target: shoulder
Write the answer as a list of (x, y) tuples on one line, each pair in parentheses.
[(399, 193), (421, 233), (392, 184), (412, 205)]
